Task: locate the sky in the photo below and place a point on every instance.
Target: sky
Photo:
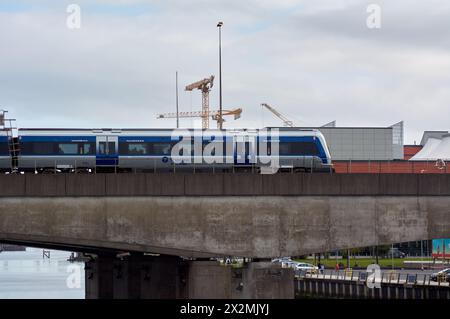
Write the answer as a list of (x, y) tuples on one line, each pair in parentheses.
[(315, 61)]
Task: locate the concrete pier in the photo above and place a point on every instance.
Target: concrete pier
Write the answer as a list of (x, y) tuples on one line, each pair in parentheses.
[(135, 276), (256, 280), (138, 276), (99, 277)]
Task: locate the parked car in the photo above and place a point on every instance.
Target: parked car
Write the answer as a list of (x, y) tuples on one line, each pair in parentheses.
[(395, 253), (307, 268), (286, 262), (444, 273), (289, 264), (281, 259)]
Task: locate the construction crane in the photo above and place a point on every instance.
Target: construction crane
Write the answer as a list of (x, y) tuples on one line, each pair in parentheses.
[(285, 120), (215, 115), (205, 86)]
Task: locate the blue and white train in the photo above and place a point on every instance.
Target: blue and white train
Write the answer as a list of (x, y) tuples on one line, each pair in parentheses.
[(5, 157), (151, 149)]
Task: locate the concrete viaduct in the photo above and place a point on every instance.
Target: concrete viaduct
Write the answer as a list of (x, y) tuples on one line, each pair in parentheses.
[(209, 215)]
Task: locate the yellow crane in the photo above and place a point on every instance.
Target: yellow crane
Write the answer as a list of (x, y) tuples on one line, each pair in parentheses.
[(215, 115), (205, 86), (285, 120)]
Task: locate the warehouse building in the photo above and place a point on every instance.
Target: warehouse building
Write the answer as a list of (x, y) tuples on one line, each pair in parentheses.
[(382, 150), (363, 143)]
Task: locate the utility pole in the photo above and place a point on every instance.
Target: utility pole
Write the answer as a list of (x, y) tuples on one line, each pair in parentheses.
[(348, 258), (392, 251), (176, 88), (421, 253)]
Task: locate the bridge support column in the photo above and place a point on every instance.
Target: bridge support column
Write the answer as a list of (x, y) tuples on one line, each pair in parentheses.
[(256, 280), (99, 277), (135, 276)]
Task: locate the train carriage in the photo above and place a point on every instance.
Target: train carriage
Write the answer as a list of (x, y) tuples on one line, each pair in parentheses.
[(5, 158), (56, 149), (153, 149)]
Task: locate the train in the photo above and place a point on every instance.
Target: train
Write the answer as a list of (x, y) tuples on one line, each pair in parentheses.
[(141, 150)]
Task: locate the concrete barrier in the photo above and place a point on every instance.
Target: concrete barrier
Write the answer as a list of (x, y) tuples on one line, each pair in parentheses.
[(224, 184), (250, 226)]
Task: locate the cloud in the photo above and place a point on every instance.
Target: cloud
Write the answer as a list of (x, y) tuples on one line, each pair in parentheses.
[(315, 61)]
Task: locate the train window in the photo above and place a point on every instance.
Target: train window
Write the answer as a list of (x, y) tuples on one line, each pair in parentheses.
[(112, 148), (4, 149), (39, 148), (242, 148), (137, 149), (53, 148), (68, 148), (211, 149), (102, 148), (298, 148), (86, 149), (161, 148)]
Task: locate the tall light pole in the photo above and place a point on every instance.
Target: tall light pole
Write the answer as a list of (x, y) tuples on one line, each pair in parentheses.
[(176, 88), (219, 25)]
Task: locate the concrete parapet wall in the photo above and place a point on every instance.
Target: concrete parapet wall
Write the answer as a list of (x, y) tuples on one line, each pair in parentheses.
[(247, 226), (203, 184)]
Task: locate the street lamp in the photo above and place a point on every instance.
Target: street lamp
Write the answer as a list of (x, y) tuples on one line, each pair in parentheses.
[(219, 25)]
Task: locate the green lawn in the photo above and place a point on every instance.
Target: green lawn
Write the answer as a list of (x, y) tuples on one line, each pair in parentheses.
[(362, 262)]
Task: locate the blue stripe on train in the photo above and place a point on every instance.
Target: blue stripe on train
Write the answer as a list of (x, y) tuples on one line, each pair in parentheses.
[(75, 139), (107, 161), (143, 139)]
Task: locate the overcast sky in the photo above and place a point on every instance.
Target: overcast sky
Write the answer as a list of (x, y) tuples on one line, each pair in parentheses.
[(315, 61)]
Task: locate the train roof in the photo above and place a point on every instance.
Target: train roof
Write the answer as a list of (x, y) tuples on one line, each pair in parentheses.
[(330, 128), (126, 131), (134, 132)]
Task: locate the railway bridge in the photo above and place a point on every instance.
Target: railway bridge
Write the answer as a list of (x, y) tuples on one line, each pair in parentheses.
[(153, 235)]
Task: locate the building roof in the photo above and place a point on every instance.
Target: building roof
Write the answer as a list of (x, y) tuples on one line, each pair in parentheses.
[(434, 149), (434, 134)]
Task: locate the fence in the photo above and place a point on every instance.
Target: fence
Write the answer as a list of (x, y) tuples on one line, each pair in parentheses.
[(353, 284), (390, 277), (160, 165), (386, 167)]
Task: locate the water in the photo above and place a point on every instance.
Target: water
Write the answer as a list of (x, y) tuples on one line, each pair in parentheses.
[(26, 275)]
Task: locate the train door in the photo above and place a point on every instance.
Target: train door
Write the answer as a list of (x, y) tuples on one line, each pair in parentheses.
[(107, 150), (244, 149)]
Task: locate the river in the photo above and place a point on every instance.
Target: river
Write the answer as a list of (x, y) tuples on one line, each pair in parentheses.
[(27, 275)]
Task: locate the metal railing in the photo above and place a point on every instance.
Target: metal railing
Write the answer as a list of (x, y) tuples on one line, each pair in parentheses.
[(156, 165), (389, 167), (391, 277)]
